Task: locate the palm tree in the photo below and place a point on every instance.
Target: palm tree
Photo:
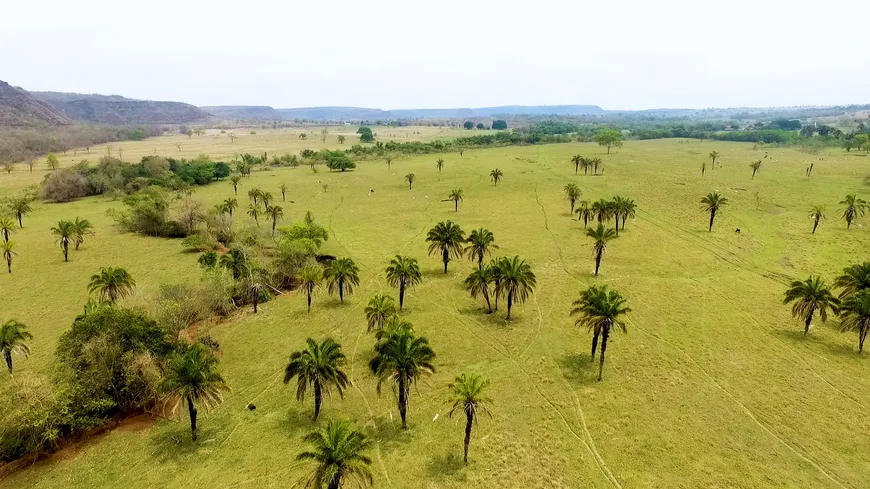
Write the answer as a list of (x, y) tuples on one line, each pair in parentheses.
[(584, 212), (191, 378), (236, 261), (12, 337), (446, 237), (576, 159), (712, 203), (379, 310), (81, 227), (586, 163), (275, 213), (403, 272), (283, 189), (402, 359), (601, 236), (254, 211), (341, 276), (7, 249), (703, 168), (309, 279), (572, 193), (65, 232), (20, 207), (456, 197), (112, 284), (595, 162), (7, 227), (468, 397), (854, 279), (516, 282), (495, 267), (713, 156), (254, 194), (338, 451), (266, 198), (854, 208), (616, 209), (318, 366), (440, 164), (810, 296), (478, 282), (601, 210), (855, 315), (495, 176), (234, 181), (600, 310), (410, 179), (755, 165), (229, 205), (389, 163), (627, 209), (817, 213), (480, 242)]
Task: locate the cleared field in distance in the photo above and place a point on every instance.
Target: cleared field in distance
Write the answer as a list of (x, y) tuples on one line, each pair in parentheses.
[(713, 386)]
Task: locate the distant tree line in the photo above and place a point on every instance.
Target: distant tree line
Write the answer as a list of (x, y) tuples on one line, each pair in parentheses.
[(26, 144)]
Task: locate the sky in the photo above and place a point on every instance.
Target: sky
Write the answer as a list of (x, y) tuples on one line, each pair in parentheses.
[(390, 54)]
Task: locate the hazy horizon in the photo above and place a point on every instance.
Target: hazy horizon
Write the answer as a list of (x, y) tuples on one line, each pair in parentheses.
[(380, 54)]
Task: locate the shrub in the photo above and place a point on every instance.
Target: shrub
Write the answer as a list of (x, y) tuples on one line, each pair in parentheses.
[(64, 185)]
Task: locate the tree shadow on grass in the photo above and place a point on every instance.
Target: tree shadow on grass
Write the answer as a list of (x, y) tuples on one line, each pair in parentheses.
[(495, 319), (435, 273), (298, 420), (797, 337), (173, 441), (577, 368), (447, 465), (389, 433), (333, 303)]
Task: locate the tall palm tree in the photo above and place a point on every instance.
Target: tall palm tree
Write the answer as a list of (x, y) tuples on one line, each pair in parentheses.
[(266, 198), (600, 310), (601, 210), (410, 179), (854, 279), (7, 249), (595, 163), (402, 359), (81, 227), (855, 315), (230, 205), (712, 203), (12, 337), (318, 366), (854, 208), (254, 195), (495, 267), (275, 213), (283, 189), (755, 165), (478, 282), (440, 164), (309, 279), (341, 276), (584, 212), (236, 261), (817, 213), (338, 451), (403, 272), (576, 159), (111, 284), (380, 309), (713, 156), (627, 210), (480, 242), (517, 281), (389, 163), (7, 227), (495, 176), (572, 193), (467, 396), (234, 181), (254, 212), (601, 236), (810, 296), (447, 238), (586, 163), (456, 197), (65, 232), (616, 208), (20, 206), (191, 378)]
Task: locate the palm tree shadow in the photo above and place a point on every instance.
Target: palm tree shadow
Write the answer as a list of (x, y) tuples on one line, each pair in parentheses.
[(296, 420), (496, 318), (172, 442), (435, 273), (447, 465), (578, 368), (389, 433), (333, 303)]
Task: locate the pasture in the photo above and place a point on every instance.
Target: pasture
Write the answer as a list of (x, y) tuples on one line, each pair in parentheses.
[(714, 385)]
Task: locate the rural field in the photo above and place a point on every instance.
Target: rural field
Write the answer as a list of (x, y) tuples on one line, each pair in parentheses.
[(714, 384)]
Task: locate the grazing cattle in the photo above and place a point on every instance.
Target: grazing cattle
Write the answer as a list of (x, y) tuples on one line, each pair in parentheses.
[(737, 230)]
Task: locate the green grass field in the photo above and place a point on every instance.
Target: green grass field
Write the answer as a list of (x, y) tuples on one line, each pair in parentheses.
[(713, 386)]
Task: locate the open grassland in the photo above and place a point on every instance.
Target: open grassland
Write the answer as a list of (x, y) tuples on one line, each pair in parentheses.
[(713, 386)]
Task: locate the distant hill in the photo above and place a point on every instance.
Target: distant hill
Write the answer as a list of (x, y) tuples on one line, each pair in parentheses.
[(114, 109), (20, 108), (244, 112), (334, 114), (359, 113)]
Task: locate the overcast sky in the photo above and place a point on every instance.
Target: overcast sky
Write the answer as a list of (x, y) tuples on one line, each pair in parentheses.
[(633, 54)]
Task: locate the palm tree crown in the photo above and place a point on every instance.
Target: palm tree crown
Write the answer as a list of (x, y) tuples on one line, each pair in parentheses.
[(854, 208), (495, 176), (65, 232), (403, 272), (456, 197), (480, 243), (855, 316), (854, 279), (380, 309), (341, 276), (410, 179), (572, 193), (7, 227), (81, 228), (711, 203), (402, 359), (318, 366), (309, 279), (600, 310), (467, 397), (191, 378), (447, 238), (12, 337), (338, 450), (817, 213), (601, 236), (111, 284), (809, 297), (7, 251), (478, 282), (516, 282)]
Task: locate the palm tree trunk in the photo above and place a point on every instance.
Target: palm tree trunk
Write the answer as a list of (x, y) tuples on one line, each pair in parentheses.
[(815, 225), (753, 174), (283, 197), (19, 221), (8, 355), (191, 410), (401, 293), (403, 403), (597, 262), (572, 207), (712, 216), (6, 235), (585, 220), (480, 260), (595, 333), (9, 263), (341, 289), (65, 251), (446, 257), (335, 482), (256, 300), (274, 223), (318, 398), (623, 221), (409, 185), (862, 335), (809, 321), (604, 334), (469, 420), (455, 206), (485, 296), (496, 293), (309, 300), (510, 300)]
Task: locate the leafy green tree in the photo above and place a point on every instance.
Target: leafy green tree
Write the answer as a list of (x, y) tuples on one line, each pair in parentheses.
[(341, 139), (600, 310), (755, 165), (111, 284), (365, 134), (480, 243), (439, 164), (234, 181), (467, 396), (82, 228), (572, 193), (275, 213), (410, 179), (12, 340), (600, 236), (478, 283), (7, 227), (714, 155), (402, 359), (447, 238), (254, 212), (817, 213), (309, 279), (499, 125), (456, 197), (236, 261), (516, 282), (7, 250), (712, 203), (191, 378), (318, 367), (854, 279), (341, 276), (495, 176), (855, 316), (609, 138), (809, 297), (379, 310), (20, 206), (52, 162), (283, 189), (307, 230), (65, 232), (403, 272), (576, 159), (209, 259), (480, 125), (339, 452), (854, 208), (468, 125)]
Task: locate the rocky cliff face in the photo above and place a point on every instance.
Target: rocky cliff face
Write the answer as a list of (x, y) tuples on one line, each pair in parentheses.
[(19, 108)]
